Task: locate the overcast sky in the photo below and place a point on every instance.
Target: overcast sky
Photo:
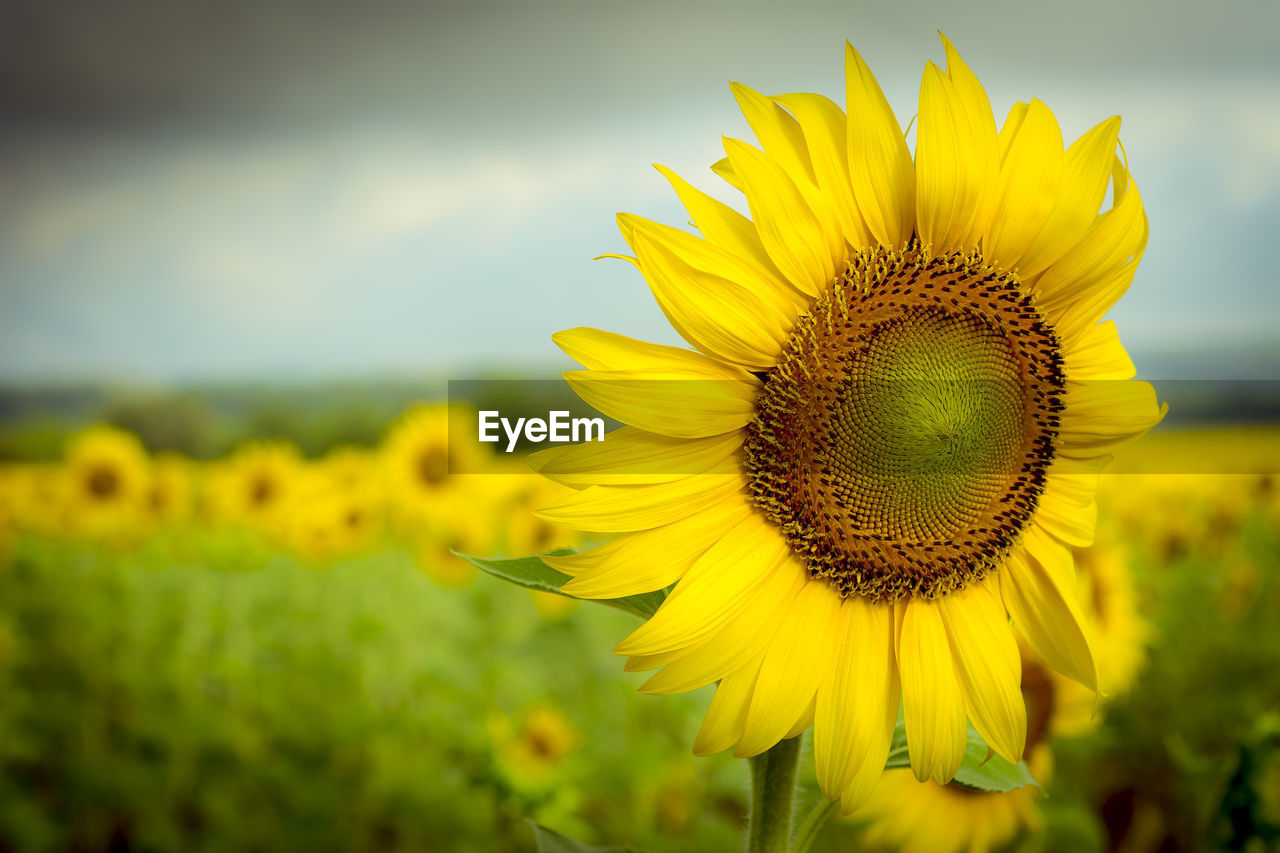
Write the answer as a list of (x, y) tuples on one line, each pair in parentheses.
[(312, 189)]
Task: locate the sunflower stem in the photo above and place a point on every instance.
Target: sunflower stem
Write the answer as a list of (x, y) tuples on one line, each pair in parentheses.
[(773, 788)]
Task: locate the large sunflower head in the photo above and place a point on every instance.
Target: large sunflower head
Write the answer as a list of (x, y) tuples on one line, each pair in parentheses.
[(866, 476)]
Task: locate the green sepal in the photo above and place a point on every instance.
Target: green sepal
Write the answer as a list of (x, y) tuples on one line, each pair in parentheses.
[(532, 573), (981, 769)]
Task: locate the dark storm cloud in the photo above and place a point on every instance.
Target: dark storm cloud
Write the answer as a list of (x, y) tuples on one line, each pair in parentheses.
[(269, 60), (324, 187)]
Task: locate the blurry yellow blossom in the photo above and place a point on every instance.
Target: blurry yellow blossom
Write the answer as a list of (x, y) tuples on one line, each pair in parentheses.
[(108, 480), (529, 755)]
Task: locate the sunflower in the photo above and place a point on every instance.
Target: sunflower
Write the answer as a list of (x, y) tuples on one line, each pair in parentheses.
[(911, 816), (36, 498), (869, 471), (255, 485), (422, 466), (525, 532), (468, 524), (530, 755), (331, 515), (109, 476)]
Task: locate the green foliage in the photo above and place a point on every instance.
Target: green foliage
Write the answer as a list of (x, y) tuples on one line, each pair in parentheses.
[(1189, 755), (550, 841), (222, 697), (532, 573), (981, 769)]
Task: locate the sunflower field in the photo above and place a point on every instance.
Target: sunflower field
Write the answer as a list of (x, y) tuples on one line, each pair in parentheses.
[(269, 650)]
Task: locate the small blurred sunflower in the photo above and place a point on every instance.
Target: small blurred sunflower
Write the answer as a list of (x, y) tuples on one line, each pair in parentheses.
[(336, 511), (887, 436), (108, 479), (37, 498), (256, 483), (526, 532), (910, 816), (468, 523), (530, 755), (423, 468)]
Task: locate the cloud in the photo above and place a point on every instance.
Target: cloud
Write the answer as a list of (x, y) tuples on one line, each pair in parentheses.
[(390, 198)]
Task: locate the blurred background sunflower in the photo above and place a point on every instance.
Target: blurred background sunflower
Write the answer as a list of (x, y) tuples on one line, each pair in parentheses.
[(246, 245)]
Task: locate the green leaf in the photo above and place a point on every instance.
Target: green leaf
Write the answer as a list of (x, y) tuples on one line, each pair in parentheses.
[(977, 771), (550, 841), (532, 573)]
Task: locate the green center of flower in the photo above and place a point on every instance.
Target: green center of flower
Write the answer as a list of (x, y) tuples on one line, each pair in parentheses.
[(902, 440)]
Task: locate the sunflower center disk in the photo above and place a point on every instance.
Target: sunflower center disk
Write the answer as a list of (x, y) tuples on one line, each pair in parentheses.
[(902, 440)]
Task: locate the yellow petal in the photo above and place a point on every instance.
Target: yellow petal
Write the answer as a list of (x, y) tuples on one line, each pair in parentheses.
[(784, 142), (932, 703), (640, 663), (955, 157), (596, 349), (623, 509), (668, 403), (880, 166), (790, 230), (1097, 354), (1087, 169), (802, 723), (742, 324), (719, 585), (780, 135), (857, 706), (740, 640), (724, 169), (723, 226), (1027, 186), (1049, 552), (1066, 520), (1048, 617), (988, 667), (1090, 269), (1073, 481), (826, 137), (629, 456), (797, 661), (653, 559), (763, 283), (722, 727), (1103, 415)]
